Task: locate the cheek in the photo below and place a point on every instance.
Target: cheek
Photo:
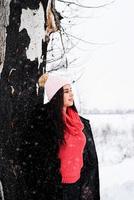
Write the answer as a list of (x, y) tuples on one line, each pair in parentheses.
[(66, 101)]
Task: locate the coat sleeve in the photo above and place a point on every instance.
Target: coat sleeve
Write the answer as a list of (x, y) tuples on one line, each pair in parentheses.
[(90, 170)]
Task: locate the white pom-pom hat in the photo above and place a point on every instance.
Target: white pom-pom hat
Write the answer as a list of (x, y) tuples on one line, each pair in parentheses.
[(52, 83)]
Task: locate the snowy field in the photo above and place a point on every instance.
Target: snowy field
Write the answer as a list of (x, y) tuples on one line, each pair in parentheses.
[(114, 138)]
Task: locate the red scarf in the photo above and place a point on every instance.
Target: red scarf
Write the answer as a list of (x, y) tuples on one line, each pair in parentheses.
[(73, 123)]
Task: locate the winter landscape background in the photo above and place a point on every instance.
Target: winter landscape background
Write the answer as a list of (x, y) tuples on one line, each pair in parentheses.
[(114, 139)]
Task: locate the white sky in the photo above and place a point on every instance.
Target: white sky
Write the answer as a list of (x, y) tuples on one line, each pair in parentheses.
[(108, 80)]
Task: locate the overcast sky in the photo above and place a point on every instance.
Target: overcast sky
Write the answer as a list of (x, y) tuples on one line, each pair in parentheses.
[(108, 78)]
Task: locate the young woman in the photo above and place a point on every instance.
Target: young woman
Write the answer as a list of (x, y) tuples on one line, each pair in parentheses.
[(59, 155)]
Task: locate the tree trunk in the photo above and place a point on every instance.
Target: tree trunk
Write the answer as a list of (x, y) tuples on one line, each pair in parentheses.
[(18, 93)]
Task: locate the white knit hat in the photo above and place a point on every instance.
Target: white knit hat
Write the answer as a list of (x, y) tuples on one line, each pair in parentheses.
[(52, 84)]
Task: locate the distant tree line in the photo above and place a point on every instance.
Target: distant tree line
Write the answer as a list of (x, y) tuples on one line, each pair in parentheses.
[(106, 111)]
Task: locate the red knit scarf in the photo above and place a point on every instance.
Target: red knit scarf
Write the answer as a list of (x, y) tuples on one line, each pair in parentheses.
[(73, 123)]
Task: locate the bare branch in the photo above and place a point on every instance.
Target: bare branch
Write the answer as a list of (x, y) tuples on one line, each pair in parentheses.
[(85, 41), (84, 6)]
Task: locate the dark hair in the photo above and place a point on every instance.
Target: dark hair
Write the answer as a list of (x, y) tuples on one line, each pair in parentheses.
[(54, 112)]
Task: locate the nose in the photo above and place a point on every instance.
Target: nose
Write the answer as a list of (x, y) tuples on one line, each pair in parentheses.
[(71, 94)]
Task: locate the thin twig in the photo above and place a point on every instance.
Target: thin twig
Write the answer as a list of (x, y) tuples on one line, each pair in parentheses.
[(84, 6), (85, 41)]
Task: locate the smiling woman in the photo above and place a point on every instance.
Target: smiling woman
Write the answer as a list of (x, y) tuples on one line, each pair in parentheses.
[(63, 164)]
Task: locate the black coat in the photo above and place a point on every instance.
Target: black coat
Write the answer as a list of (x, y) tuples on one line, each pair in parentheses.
[(40, 163), (90, 172)]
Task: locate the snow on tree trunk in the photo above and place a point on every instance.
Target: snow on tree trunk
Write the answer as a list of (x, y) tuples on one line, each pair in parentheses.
[(4, 14), (30, 24)]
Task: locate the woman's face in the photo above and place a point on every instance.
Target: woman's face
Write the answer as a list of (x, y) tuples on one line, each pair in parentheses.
[(68, 95)]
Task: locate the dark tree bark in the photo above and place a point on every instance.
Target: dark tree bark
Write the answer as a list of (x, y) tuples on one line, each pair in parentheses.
[(18, 96)]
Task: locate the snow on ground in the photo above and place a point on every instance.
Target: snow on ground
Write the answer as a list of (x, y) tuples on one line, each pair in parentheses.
[(117, 181), (114, 139), (114, 136)]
